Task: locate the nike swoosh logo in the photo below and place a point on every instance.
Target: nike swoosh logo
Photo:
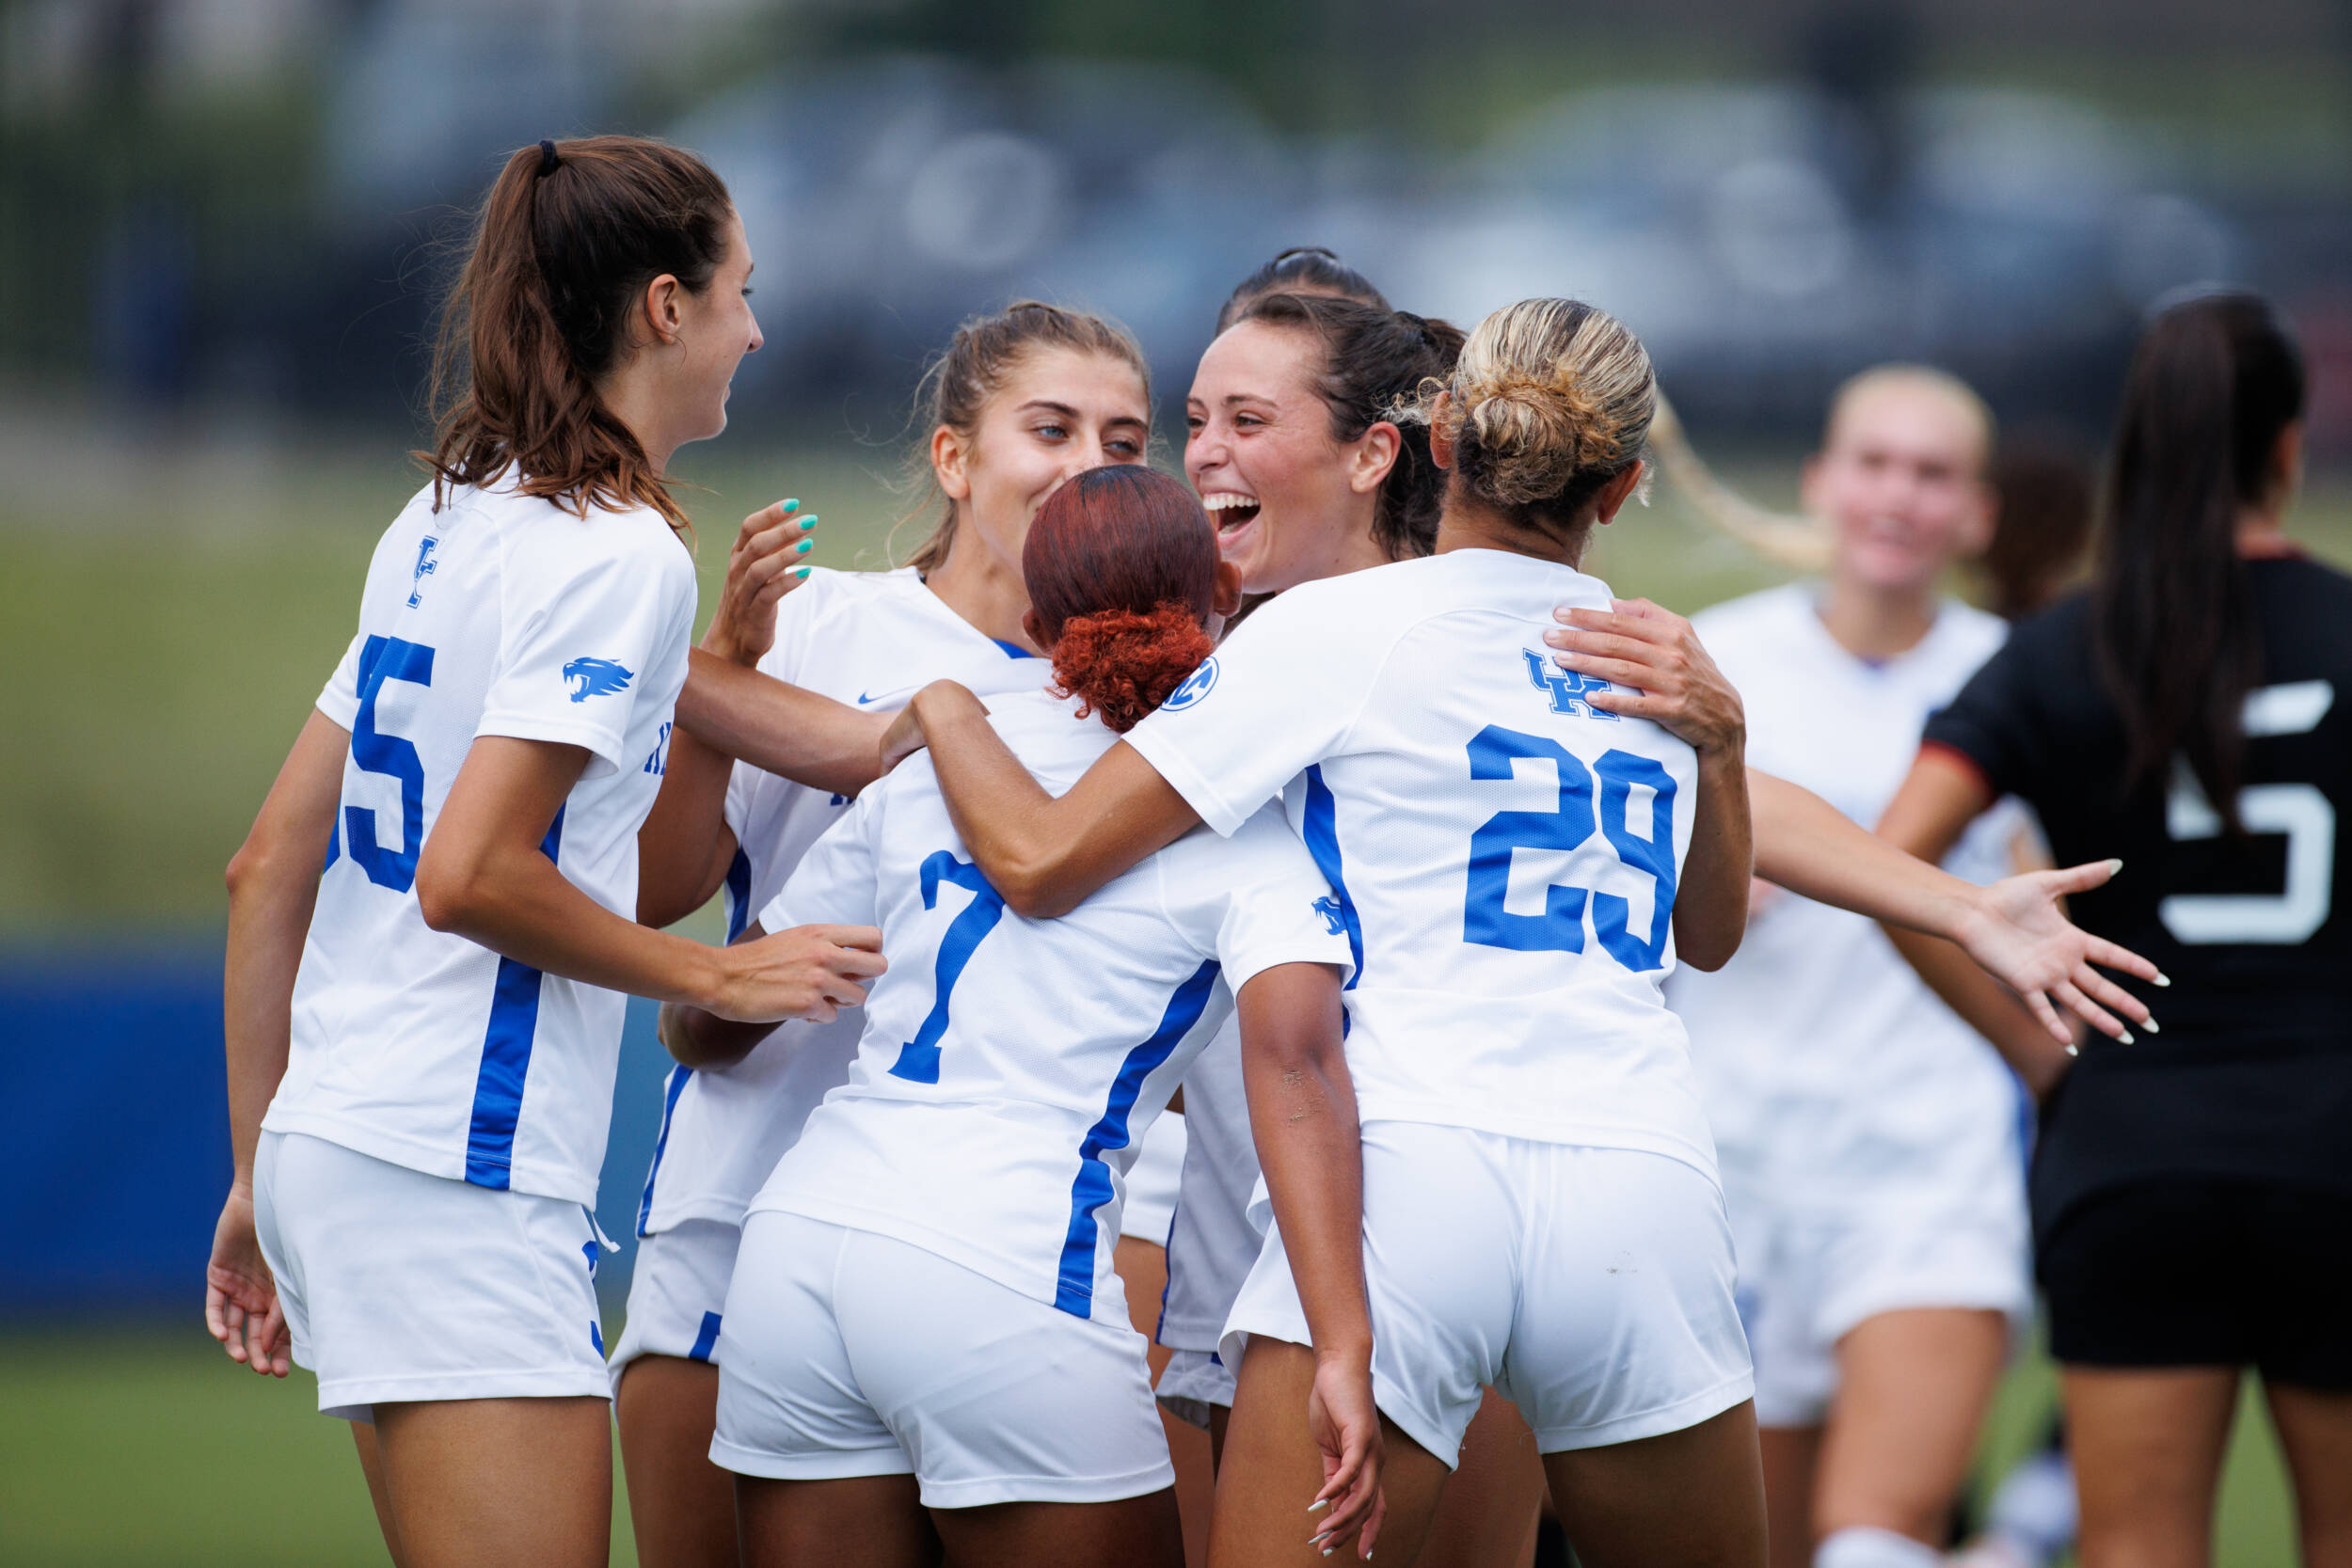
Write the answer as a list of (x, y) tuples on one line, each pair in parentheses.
[(862, 697)]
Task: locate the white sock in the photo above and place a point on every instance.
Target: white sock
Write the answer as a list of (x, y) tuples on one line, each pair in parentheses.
[(1868, 1546)]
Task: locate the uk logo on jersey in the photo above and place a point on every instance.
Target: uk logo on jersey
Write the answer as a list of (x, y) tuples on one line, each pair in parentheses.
[(596, 677), (1566, 688), (1196, 686), (425, 567)]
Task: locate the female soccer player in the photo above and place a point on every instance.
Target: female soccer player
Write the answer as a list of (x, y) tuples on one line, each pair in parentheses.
[(1020, 401), (1538, 1214), (433, 1022), (924, 1315), (1291, 443), (2191, 1191), (1869, 1140)]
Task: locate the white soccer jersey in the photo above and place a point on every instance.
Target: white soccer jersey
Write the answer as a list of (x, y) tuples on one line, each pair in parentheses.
[(869, 638), (1503, 856), (1830, 1072), (1010, 1067), (498, 615)]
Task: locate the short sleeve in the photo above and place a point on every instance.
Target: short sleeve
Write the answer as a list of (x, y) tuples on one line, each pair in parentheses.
[(585, 626), (834, 884), (1992, 724), (340, 699), (1257, 900), (1283, 691)]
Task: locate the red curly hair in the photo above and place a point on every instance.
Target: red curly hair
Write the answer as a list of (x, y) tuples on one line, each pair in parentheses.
[(1121, 571)]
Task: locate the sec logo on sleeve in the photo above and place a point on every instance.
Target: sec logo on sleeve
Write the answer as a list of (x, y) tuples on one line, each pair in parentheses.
[(1196, 686)]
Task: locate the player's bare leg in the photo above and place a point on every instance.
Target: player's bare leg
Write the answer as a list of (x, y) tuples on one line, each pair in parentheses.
[(2315, 1432), (1693, 1498), (855, 1522), (500, 1482), (1143, 1268), (372, 1465), (1912, 1389), (1271, 1470), (1491, 1507), (681, 1506), (2147, 1447), (1793, 1460), (1133, 1533)]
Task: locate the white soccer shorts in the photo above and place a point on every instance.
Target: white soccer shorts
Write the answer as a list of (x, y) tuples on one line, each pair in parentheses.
[(1808, 1275), (1191, 1382), (1591, 1286), (845, 1352), (677, 1293), (400, 1286)]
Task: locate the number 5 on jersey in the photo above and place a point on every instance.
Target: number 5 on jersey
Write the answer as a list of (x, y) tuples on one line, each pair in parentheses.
[(918, 1058)]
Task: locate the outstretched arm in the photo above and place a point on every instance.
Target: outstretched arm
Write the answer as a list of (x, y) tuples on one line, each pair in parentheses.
[(1043, 854), (2015, 929), (1302, 1114)]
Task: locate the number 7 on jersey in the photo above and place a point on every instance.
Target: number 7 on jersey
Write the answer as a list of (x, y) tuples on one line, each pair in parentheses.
[(918, 1058)]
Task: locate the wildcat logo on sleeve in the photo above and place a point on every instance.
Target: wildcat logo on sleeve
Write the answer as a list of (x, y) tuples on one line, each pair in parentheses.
[(1568, 689), (1196, 686), (1333, 917), (596, 677)]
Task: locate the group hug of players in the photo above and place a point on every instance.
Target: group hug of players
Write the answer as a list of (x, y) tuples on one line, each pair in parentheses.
[(1326, 791)]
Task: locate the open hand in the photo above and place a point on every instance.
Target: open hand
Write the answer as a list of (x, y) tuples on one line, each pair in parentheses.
[(241, 1305), (1346, 1427), (762, 567), (1654, 653), (2017, 931)]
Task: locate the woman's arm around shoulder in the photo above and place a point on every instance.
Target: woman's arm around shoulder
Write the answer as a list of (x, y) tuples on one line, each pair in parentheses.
[(1042, 853)]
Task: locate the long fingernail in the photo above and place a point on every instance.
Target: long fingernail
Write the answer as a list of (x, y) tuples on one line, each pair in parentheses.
[(805, 547), (2126, 1037), (791, 504), (2114, 866), (2164, 979), (2150, 1025), (809, 522), (1317, 1508), (2073, 1050), (800, 574)]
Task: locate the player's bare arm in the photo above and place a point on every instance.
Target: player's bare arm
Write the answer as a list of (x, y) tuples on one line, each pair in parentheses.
[(1302, 1116), (1043, 853), (685, 846), (273, 886), (483, 876), (2015, 929)]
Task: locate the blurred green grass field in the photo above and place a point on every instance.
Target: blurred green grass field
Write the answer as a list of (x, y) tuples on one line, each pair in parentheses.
[(164, 634)]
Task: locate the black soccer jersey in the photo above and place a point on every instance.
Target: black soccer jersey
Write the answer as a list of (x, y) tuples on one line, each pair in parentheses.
[(2252, 1073)]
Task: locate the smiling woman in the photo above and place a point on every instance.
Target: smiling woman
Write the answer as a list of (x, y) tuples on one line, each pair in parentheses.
[(1018, 402)]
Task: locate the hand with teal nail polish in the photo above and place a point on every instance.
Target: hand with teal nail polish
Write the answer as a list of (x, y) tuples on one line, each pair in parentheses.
[(759, 573)]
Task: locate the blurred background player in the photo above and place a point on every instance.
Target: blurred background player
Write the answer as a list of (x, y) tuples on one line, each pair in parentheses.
[(1019, 402), (2191, 1190), (435, 1022), (1870, 1141)]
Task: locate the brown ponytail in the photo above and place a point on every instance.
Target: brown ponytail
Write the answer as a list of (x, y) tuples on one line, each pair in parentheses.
[(568, 238)]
